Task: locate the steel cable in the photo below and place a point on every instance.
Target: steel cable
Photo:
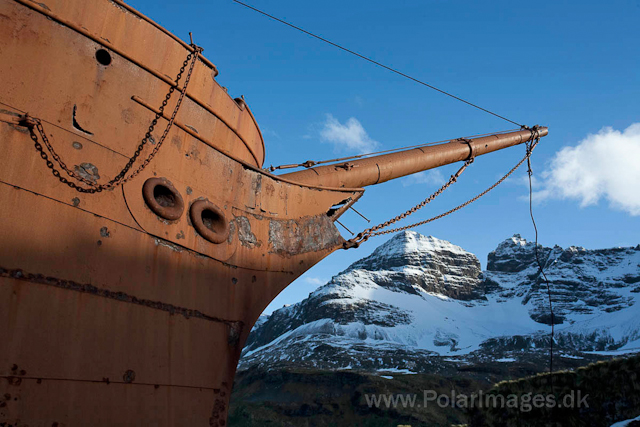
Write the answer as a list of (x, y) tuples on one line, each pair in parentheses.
[(375, 62)]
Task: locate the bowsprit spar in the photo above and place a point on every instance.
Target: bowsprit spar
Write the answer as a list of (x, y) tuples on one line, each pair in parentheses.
[(531, 143), (534, 137), (141, 237)]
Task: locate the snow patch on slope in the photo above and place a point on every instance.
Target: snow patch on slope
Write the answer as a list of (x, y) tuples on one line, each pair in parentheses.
[(421, 296)]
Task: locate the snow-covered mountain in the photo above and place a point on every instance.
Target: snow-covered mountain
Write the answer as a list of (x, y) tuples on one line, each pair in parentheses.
[(418, 302)]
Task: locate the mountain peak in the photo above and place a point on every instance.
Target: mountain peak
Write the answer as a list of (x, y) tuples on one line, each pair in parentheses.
[(409, 248), (416, 297), (408, 242), (513, 254), (517, 239)]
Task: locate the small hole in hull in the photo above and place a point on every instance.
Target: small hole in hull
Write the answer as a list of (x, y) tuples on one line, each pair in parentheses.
[(103, 57), (76, 125), (335, 208)]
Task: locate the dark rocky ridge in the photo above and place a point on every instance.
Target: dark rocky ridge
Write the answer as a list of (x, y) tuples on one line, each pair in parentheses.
[(582, 280)]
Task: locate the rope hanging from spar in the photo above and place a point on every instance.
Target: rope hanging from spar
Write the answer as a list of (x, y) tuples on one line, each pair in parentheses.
[(378, 229), (541, 272), (34, 124)]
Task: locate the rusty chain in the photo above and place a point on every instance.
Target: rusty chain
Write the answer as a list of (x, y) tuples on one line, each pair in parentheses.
[(373, 231), (35, 123)]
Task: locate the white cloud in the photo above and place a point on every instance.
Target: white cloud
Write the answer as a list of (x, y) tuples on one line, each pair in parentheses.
[(270, 132), (602, 166), (521, 179), (349, 136), (431, 177), (315, 281)]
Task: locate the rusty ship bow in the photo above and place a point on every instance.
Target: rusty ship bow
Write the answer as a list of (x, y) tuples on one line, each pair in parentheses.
[(129, 305)]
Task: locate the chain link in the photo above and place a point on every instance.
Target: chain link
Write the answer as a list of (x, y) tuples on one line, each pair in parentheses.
[(35, 124), (373, 231)]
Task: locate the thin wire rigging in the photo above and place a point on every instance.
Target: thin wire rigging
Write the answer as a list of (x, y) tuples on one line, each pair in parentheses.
[(540, 267), (376, 62)]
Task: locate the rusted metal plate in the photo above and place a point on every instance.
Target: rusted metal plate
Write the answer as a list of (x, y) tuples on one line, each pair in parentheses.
[(160, 346), (27, 170), (303, 235), (180, 231), (59, 241), (96, 286), (61, 78), (86, 328), (64, 403)]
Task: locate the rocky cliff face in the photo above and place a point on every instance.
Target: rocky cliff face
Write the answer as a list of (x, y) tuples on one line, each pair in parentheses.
[(420, 304), (592, 290)]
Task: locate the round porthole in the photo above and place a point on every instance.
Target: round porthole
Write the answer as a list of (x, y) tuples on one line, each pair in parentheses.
[(163, 198), (209, 221), (103, 57)]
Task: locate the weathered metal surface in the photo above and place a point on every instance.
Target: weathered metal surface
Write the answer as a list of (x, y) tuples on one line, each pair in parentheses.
[(125, 285), (113, 314), (117, 315), (119, 404), (311, 234), (378, 169), (90, 26)]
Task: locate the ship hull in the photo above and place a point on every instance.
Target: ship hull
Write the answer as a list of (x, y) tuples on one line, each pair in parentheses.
[(95, 334), (113, 314)]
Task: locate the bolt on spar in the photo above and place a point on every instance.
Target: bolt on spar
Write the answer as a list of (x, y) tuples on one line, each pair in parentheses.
[(131, 304)]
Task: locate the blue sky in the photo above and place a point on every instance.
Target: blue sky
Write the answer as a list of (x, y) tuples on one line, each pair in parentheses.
[(572, 66)]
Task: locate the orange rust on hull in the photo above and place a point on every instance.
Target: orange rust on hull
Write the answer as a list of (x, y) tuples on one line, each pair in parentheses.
[(116, 310), (254, 143), (117, 315)]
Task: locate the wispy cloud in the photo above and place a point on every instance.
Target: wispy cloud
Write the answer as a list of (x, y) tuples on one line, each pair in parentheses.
[(605, 165), (350, 136), (315, 281), (431, 177), (522, 179), (270, 132)]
